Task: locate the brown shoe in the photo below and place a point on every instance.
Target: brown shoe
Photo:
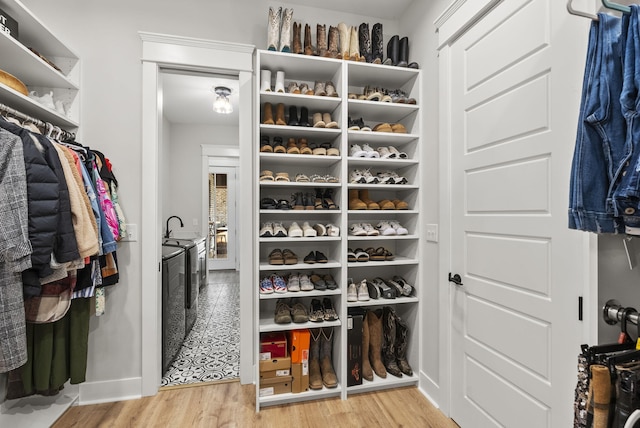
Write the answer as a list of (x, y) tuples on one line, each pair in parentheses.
[(355, 203), (268, 114)]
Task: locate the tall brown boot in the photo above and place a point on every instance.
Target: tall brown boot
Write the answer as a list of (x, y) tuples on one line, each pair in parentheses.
[(374, 318), (367, 372), (268, 114), (371, 204), (329, 378), (308, 47), (334, 35), (297, 41), (315, 378), (321, 39), (280, 114)]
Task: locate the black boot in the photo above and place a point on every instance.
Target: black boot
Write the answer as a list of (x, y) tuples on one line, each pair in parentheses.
[(293, 116), (297, 201), (389, 342), (304, 117), (401, 346), (627, 388), (403, 56), (377, 45), (393, 48), (365, 41)]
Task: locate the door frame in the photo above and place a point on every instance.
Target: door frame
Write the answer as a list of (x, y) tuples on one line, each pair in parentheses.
[(158, 51)]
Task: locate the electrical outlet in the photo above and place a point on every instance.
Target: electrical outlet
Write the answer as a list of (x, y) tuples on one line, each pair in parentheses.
[(132, 233), (432, 233)]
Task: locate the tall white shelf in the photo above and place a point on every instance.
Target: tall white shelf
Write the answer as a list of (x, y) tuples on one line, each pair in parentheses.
[(348, 77), (38, 76)]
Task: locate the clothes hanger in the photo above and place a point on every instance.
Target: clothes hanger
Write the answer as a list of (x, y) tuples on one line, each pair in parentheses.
[(576, 12), (615, 6)]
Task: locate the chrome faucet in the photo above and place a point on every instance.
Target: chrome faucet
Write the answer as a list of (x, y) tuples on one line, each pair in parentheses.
[(166, 235)]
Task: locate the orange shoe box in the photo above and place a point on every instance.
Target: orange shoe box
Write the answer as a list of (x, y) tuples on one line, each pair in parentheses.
[(299, 341), (273, 345)]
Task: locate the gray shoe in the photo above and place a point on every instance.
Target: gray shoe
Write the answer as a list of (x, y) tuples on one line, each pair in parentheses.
[(283, 312), (299, 313)]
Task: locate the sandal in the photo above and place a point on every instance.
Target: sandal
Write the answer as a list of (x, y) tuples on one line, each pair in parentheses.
[(265, 145), (301, 178), (275, 257), (278, 147), (376, 255), (266, 175), (289, 256), (304, 147), (282, 176), (328, 200), (351, 256), (361, 255), (292, 148), (316, 178), (317, 202), (268, 204), (283, 204), (331, 179), (388, 255)]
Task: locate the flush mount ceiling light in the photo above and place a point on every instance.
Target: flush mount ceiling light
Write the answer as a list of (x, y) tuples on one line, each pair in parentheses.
[(222, 103)]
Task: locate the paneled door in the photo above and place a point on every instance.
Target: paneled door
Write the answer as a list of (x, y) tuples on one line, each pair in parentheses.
[(514, 93)]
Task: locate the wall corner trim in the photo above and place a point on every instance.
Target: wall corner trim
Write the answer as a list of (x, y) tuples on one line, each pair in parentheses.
[(195, 42), (459, 17)]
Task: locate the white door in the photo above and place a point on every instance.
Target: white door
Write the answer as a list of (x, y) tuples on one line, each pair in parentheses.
[(514, 89), (222, 218)]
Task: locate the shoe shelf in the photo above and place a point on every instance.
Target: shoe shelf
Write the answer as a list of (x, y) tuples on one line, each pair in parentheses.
[(379, 163), (301, 294), (382, 186), (389, 77), (312, 102), (301, 212), (299, 184), (286, 159), (397, 261), (299, 131), (301, 239), (378, 111), (379, 383), (389, 138), (300, 67), (383, 302), (300, 266), (26, 105), (353, 238), (380, 212), (268, 325), (274, 400)]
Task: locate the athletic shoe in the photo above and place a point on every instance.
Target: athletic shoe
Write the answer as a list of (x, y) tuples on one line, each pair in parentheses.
[(293, 284), (400, 230), (356, 151), (356, 229), (371, 231), (279, 230), (385, 228), (369, 152), (352, 292), (279, 285), (363, 291), (266, 286), (295, 231), (267, 230)]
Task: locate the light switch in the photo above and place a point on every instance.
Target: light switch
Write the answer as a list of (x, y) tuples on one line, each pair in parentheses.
[(432, 233)]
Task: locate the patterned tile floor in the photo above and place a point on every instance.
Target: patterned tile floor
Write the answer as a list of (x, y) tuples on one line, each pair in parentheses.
[(211, 351)]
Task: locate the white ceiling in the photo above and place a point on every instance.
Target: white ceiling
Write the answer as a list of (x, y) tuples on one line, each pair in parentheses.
[(383, 9), (188, 99)]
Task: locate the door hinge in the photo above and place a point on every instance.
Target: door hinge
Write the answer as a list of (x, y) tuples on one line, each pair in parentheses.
[(579, 308)]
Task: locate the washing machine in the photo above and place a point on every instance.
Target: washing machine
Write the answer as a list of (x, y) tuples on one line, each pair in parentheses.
[(192, 278), (173, 310)]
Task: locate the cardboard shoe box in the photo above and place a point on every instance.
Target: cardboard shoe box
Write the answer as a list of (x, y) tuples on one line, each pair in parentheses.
[(354, 349), (300, 373), (276, 385), (273, 345), (275, 368), (299, 341)]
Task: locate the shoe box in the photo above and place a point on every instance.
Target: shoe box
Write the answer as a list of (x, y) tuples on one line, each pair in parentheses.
[(299, 341), (354, 346), (276, 385), (273, 345)]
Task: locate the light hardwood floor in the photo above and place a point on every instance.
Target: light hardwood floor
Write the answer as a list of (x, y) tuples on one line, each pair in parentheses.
[(232, 405)]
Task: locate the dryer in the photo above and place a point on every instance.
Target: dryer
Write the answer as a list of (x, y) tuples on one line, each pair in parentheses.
[(173, 310), (192, 278)]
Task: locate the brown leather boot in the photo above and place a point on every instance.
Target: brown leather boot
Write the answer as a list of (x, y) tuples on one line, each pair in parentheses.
[(371, 204), (268, 114), (321, 39), (329, 378), (308, 47), (280, 114), (297, 40), (367, 372), (374, 318), (389, 342), (315, 378), (334, 35)]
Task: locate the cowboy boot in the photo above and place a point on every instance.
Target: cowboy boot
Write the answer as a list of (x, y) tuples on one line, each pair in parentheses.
[(329, 378), (364, 40), (393, 47), (377, 47), (401, 346), (308, 47), (315, 378), (367, 372), (403, 56), (321, 39), (334, 35), (268, 114), (389, 343), (374, 318), (273, 28), (297, 41), (354, 46), (285, 31), (345, 39), (280, 114)]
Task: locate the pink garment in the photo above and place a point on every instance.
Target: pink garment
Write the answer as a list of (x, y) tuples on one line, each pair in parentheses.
[(106, 204)]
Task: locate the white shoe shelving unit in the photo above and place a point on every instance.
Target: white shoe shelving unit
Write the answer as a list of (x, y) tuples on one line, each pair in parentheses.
[(348, 77)]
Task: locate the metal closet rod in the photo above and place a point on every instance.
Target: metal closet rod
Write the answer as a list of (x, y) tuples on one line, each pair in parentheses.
[(39, 123), (612, 313)]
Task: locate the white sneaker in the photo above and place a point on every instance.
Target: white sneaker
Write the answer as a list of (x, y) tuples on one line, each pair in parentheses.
[(279, 230), (356, 151), (391, 177), (356, 177), (293, 284), (363, 291), (369, 152), (371, 231), (295, 231), (305, 283), (400, 230), (321, 229), (384, 153), (267, 230), (385, 228), (369, 178), (356, 229), (352, 292), (394, 151), (333, 230), (308, 231)]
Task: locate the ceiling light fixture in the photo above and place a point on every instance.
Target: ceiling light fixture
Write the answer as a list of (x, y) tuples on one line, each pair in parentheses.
[(222, 103)]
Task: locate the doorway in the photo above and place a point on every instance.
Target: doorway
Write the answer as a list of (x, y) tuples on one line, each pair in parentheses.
[(222, 234)]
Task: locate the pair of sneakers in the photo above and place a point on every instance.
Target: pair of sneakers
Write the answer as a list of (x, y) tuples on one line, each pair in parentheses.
[(363, 176), (273, 284), (328, 229), (286, 311), (363, 229), (364, 151), (390, 152), (295, 231), (357, 292), (273, 229), (299, 282), (390, 228)]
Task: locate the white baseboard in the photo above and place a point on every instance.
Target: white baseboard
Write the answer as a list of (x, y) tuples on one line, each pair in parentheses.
[(429, 388), (109, 391)]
